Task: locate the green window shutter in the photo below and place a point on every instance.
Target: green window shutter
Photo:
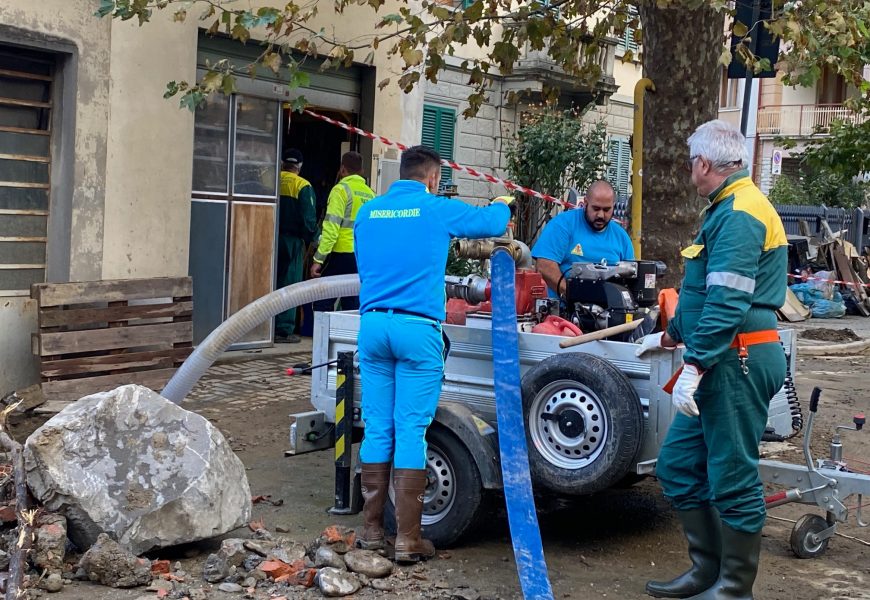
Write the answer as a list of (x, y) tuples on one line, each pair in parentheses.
[(467, 3), (628, 42), (439, 129), (619, 165)]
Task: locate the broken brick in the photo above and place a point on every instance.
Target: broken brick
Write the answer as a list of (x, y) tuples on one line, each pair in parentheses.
[(275, 568), (160, 567), (332, 534), (7, 514)]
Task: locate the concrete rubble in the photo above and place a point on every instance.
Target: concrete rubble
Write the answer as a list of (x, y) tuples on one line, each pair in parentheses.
[(132, 464), (108, 563)]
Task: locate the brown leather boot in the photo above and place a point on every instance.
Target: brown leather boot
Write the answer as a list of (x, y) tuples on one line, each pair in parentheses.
[(374, 484), (410, 484)]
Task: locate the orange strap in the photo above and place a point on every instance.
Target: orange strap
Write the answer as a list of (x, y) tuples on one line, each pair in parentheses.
[(744, 340), (741, 342)]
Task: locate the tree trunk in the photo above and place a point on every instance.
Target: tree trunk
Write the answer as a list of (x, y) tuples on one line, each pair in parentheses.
[(681, 49)]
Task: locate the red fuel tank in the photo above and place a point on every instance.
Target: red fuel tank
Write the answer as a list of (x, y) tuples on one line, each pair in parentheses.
[(554, 325)]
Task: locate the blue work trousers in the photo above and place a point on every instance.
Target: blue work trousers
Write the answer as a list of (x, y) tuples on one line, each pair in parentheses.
[(401, 367), (713, 459)]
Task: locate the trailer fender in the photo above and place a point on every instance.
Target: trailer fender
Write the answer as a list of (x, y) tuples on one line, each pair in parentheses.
[(479, 437)]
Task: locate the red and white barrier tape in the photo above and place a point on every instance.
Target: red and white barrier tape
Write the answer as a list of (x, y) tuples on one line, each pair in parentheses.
[(509, 185), (850, 283)]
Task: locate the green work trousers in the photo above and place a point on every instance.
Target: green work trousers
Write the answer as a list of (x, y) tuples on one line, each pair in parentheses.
[(291, 252), (714, 458)]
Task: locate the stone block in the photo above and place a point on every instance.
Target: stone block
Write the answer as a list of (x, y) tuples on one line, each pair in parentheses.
[(134, 465)]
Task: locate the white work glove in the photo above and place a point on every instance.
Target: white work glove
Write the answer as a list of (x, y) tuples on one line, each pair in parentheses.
[(683, 395), (651, 342)]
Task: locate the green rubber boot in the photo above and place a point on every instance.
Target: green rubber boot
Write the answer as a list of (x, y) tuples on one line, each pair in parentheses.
[(740, 552), (703, 531)]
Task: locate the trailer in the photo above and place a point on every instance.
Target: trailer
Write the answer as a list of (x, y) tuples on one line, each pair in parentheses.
[(595, 415)]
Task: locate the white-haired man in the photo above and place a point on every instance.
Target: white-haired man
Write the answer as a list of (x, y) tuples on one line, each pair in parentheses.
[(735, 278)]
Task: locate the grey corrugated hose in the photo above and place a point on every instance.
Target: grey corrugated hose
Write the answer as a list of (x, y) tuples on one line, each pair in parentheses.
[(249, 317)]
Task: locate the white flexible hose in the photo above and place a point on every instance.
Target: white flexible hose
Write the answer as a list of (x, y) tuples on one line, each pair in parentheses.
[(251, 316)]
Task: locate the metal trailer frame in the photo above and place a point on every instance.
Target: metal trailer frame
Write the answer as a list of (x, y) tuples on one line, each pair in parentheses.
[(467, 404), (825, 483)]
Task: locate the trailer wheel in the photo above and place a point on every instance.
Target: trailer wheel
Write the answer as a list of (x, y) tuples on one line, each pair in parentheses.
[(584, 423), (804, 541), (453, 501)]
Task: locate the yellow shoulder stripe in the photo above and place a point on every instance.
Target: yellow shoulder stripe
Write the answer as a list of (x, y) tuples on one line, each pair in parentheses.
[(292, 184), (750, 200)]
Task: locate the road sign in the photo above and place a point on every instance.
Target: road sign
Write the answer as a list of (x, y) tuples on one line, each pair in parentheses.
[(776, 163)]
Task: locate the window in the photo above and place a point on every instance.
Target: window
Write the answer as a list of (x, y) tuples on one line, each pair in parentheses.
[(627, 41), (619, 165), (439, 126), (252, 159), (728, 91), (25, 161)]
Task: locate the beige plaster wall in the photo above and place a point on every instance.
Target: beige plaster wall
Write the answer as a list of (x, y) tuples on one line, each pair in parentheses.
[(150, 150)]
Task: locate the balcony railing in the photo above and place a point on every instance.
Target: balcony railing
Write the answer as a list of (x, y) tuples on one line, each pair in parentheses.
[(803, 119)]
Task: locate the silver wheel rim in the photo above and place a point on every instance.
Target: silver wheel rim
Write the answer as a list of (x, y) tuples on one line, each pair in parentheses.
[(440, 491), (558, 448)]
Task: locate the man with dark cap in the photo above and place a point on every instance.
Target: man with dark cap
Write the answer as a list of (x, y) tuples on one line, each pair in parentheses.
[(297, 223)]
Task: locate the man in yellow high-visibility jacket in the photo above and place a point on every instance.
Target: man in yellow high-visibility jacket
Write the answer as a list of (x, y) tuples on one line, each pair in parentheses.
[(334, 254)]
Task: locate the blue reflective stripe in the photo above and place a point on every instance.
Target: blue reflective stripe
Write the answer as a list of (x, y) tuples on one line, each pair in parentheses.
[(731, 280)]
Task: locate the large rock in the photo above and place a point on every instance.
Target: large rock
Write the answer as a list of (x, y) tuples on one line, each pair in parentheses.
[(132, 464)]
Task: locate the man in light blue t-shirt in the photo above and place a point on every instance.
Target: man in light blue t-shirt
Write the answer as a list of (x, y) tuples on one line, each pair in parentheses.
[(586, 235)]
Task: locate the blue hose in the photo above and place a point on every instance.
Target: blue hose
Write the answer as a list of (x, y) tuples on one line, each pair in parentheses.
[(525, 534)]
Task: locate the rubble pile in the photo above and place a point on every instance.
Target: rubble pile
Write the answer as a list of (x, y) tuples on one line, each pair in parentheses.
[(829, 278)]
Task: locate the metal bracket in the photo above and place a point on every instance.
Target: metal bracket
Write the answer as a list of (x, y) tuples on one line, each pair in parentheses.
[(309, 432)]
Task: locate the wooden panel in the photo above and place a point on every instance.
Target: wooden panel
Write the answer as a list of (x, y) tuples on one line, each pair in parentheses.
[(73, 389), (83, 316), (252, 246), (112, 290), (114, 362), (68, 342)]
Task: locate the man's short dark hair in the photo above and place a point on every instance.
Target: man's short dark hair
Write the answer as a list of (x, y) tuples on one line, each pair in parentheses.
[(417, 162), (352, 162)]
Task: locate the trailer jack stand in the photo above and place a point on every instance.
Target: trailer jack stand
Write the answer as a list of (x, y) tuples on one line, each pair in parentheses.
[(344, 388)]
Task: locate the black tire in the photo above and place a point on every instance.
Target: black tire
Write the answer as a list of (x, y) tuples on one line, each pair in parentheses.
[(584, 423), (454, 501), (801, 540)]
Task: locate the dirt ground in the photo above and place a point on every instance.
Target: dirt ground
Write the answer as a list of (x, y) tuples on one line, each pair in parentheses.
[(605, 546)]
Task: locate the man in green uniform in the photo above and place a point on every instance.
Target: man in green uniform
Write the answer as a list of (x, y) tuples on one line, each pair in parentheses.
[(334, 254), (297, 223), (735, 278)]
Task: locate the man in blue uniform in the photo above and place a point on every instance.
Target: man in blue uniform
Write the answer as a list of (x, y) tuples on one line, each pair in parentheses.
[(401, 241), (735, 280), (587, 235)]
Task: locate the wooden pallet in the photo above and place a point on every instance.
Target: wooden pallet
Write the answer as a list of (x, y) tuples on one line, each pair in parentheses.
[(96, 335)]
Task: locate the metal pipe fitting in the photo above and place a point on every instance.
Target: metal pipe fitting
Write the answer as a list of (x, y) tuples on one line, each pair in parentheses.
[(483, 249), (474, 289)]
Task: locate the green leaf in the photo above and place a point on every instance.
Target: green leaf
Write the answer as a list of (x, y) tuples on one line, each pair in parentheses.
[(240, 32), (299, 103), (229, 85), (725, 57), (106, 8), (412, 56), (739, 29), (300, 79)]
